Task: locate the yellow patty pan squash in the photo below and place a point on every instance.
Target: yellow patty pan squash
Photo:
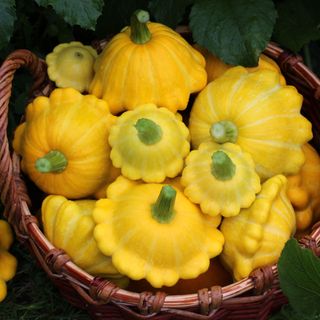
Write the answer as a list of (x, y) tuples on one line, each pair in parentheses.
[(255, 237), (221, 178), (253, 110), (153, 232), (64, 143), (69, 225), (149, 143), (304, 189), (8, 262), (216, 67), (71, 65), (148, 63)]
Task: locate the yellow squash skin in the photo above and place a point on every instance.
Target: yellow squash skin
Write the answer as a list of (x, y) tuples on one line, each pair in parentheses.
[(151, 161), (256, 236), (143, 248), (216, 67), (75, 125), (8, 262), (71, 65), (163, 71), (69, 225), (265, 116), (304, 189), (214, 194)]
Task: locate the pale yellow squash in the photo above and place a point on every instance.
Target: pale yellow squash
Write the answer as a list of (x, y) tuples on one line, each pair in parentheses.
[(256, 236), (153, 232), (221, 178)]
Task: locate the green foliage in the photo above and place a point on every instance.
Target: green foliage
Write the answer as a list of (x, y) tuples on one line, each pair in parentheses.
[(235, 30), (299, 275), (7, 18), (298, 23), (76, 12)]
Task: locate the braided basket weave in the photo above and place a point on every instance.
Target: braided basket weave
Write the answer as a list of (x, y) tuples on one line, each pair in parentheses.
[(252, 298)]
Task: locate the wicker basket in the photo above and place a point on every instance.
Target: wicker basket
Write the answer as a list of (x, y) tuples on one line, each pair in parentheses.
[(252, 298)]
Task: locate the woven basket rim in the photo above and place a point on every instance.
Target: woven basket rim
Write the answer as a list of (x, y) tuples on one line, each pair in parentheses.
[(77, 275)]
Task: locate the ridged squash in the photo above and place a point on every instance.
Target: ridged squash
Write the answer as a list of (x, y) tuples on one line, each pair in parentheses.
[(149, 143), (221, 178), (64, 143), (304, 189), (148, 62), (69, 225), (253, 110), (255, 237), (153, 232)]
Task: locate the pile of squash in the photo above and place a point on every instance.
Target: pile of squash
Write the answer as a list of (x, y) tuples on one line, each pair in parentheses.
[(159, 160)]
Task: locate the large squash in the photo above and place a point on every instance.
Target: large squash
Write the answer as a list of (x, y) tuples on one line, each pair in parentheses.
[(256, 112), (153, 232), (64, 143), (148, 63)]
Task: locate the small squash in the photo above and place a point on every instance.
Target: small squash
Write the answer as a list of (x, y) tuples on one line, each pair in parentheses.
[(6, 235), (256, 112), (304, 189), (216, 67), (8, 262), (221, 178), (64, 143), (71, 65), (153, 232), (69, 225), (148, 63), (256, 236), (149, 143)]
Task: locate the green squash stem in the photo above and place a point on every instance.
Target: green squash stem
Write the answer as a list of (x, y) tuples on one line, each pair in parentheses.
[(163, 208), (224, 131), (222, 167), (148, 131), (54, 161), (140, 33)]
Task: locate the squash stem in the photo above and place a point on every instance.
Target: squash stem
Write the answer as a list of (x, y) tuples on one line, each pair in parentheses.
[(54, 161), (222, 167), (140, 33), (163, 208), (148, 131), (224, 131)]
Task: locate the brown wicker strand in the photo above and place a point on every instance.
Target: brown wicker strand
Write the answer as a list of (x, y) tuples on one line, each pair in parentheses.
[(102, 290), (12, 194), (56, 259), (262, 278)]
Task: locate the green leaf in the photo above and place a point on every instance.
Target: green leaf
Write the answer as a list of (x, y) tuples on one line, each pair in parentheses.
[(171, 13), (76, 12), (236, 31), (299, 275), (7, 18), (298, 23)]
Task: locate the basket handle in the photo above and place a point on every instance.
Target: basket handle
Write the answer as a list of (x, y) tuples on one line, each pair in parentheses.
[(13, 189)]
